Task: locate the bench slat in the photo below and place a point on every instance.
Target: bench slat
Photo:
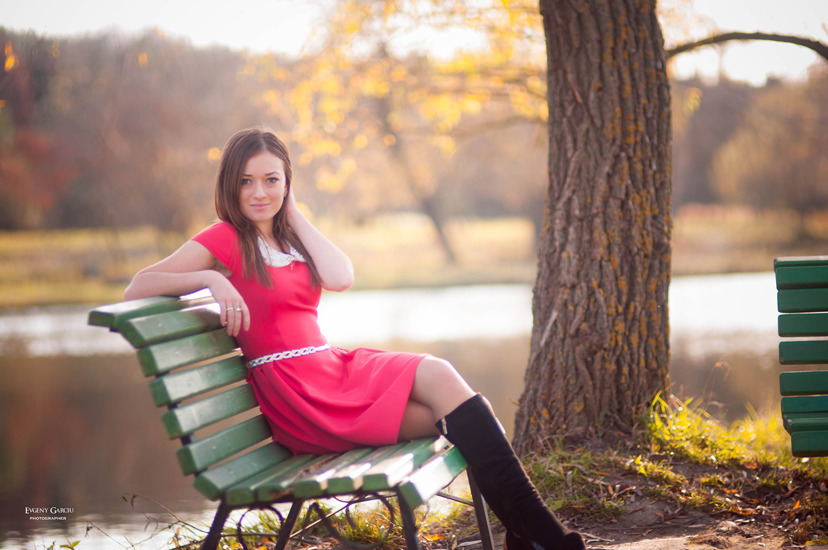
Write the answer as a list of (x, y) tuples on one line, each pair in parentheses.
[(186, 419), (803, 352), (348, 480), (215, 481), (202, 454), (316, 484), (809, 443), (279, 485), (113, 315), (390, 471), (803, 383), (803, 324), (430, 478), (168, 356), (152, 329), (799, 301), (800, 261), (805, 404), (244, 492), (802, 276), (174, 387), (805, 422)]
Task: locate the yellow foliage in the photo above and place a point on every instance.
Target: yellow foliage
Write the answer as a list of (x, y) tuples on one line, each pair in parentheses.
[(446, 144), (11, 59), (360, 141), (143, 59)]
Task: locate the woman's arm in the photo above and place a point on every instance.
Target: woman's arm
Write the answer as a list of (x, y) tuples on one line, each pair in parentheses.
[(334, 266), (190, 268)]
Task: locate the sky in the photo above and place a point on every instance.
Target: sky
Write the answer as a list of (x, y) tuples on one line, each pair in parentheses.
[(286, 25)]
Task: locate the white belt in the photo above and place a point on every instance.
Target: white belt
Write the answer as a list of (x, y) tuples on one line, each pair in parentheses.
[(286, 355)]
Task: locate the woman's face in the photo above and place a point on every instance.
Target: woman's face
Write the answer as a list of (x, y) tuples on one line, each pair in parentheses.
[(262, 190)]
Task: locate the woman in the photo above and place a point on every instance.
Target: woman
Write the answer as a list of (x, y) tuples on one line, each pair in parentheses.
[(266, 264)]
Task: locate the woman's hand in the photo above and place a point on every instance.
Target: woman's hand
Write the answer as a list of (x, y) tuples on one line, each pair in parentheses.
[(233, 312), (336, 272)]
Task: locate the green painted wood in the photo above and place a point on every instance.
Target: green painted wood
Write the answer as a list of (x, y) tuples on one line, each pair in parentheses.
[(803, 383), (113, 315), (174, 387), (389, 472), (805, 422), (349, 479), (315, 484), (168, 356), (153, 329), (812, 276), (800, 301), (170, 334), (804, 404), (803, 324), (800, 261), (213, 482), (280, 486), (244, 492), (429, 479), (189, 418), (809, 444), (202, 454), (803, 352)]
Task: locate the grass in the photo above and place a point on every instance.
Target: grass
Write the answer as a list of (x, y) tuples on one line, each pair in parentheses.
[(687, 458), (388, 251), (40, 268)]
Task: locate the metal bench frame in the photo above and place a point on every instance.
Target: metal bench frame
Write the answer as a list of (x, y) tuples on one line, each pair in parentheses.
[(198, 375)]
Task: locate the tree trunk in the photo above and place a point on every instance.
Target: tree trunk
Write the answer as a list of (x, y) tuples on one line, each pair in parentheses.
[(600, 340)]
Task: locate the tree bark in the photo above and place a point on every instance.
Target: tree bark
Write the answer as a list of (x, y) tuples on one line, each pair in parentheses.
[(600, 339)]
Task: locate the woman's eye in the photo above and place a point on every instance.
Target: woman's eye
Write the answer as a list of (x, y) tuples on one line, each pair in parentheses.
[(245, 181), (273, 181)]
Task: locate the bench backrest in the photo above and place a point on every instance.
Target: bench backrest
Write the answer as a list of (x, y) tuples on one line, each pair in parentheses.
[(802, 298), (199, 377)]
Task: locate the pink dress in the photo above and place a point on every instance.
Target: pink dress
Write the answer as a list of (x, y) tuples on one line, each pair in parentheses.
[(330, 400)]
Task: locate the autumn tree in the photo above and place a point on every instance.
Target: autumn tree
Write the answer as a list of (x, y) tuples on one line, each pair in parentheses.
[(33, 165), (362, 87), (776, 158), (600, 338)]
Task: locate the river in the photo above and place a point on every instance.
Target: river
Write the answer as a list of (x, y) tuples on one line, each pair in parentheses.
[(78, 429)]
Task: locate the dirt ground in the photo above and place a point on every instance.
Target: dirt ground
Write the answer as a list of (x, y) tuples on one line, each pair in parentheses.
[(653, 526)]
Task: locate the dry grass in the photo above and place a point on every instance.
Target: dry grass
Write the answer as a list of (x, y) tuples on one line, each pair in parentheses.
[(390, 251)]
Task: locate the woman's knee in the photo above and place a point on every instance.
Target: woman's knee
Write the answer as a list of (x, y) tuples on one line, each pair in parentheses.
[(435, 370), (438, 384)]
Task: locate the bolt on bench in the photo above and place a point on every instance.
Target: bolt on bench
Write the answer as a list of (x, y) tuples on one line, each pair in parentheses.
[(802, 299), (199, 376)]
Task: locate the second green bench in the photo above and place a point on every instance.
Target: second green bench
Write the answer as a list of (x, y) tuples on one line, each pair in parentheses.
[(802, 299)]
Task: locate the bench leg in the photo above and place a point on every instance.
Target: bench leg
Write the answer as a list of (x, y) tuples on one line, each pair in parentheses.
[(412, 541), (213, 537), (287, 526), (482, 513)]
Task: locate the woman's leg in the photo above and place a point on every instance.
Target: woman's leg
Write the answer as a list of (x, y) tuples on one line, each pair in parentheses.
[(530, 525), (438, 389)]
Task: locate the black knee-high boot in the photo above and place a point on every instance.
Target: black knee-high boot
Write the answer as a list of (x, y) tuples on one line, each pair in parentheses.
[(475, 431)]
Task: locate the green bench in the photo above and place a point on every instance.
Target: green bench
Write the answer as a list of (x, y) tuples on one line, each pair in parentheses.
[(802, 298), (199, 376)]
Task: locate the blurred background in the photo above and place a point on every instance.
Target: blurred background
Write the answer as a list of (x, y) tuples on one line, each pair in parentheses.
[(418, 137)]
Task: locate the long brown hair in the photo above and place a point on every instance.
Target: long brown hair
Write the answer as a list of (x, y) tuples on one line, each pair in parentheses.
[(234, 157)]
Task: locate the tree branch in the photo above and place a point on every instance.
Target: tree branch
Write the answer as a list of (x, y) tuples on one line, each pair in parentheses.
[(818, 47)]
